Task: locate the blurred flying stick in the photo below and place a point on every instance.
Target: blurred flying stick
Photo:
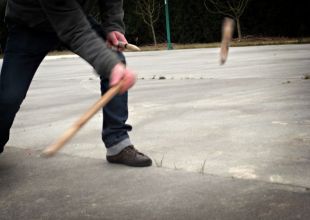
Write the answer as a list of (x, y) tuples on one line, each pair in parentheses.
[(227, 33), (128, 46)]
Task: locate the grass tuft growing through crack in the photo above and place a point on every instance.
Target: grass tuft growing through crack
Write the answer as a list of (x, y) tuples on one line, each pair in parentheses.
[(202, 171), (175, 167), (160, 163)]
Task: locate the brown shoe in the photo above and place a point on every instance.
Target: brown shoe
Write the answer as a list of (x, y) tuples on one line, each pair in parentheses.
[(131, 157)]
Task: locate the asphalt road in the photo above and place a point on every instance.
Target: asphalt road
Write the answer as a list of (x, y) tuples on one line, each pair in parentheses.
[(247, 120)]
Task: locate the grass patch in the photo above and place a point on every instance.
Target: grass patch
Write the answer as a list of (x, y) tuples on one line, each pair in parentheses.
[(248, 41), (59, 53)]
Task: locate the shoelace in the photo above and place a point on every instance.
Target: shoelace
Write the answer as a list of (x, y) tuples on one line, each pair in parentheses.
[(131, 149)]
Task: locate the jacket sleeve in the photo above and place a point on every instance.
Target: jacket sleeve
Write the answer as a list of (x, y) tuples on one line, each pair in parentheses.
[(72, 27), (112, 14)]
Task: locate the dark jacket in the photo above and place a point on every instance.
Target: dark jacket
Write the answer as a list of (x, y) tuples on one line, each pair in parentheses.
[(68, 19)]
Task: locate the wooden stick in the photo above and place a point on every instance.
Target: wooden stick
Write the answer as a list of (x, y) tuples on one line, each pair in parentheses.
[(227, 33), (52, 149), (132, 47), (128, 46)]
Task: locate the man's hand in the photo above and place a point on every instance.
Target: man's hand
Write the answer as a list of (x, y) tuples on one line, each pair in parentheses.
[(121, 73), (113, 38)]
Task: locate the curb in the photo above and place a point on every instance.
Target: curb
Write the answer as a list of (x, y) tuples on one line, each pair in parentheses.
[(57, 57)]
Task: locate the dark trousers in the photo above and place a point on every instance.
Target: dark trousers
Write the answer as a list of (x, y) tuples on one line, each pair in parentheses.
[(25, 50)]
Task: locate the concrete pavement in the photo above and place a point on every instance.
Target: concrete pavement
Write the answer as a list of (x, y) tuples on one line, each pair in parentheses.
[(69, 187), (244, 125)]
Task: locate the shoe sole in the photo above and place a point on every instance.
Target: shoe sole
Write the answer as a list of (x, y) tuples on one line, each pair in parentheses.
[(144, 164)]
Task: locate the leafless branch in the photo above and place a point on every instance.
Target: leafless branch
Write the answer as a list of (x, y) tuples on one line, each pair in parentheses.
[(149, 10)]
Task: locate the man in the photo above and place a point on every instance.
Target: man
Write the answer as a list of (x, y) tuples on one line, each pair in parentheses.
[(35, 27), (2, 26)]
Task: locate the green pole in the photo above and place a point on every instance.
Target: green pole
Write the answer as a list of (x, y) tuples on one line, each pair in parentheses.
[(169, 45)]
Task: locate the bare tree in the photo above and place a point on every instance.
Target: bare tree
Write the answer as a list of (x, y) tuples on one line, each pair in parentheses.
[(2, 4), (149, 10), (230, 8)]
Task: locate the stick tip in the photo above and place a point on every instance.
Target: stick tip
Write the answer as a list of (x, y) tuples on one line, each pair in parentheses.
[(132, 47), (128, 46), (47, 153)]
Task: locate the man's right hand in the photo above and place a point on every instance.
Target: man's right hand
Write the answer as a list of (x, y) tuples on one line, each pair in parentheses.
[(113, 39), (121, 73)]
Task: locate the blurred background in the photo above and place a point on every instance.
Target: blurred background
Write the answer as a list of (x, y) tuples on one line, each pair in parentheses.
[(199, 21)]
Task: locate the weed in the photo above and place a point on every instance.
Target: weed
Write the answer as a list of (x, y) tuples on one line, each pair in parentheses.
[(203, 167), (175, 166), (160, 163)]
